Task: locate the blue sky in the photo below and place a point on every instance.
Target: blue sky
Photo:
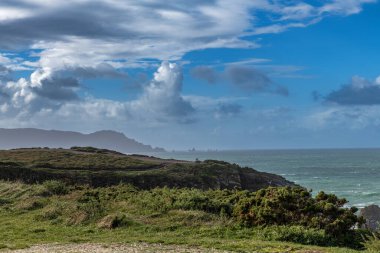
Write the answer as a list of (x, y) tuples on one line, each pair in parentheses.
[(212, 74)]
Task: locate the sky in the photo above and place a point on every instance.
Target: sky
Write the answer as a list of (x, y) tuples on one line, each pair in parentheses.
[(208, 74)]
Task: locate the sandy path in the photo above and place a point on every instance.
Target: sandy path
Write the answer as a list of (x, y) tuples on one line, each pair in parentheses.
[(113, 248)]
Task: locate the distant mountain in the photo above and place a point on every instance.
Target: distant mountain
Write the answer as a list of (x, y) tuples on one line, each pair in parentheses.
[(30, 137)]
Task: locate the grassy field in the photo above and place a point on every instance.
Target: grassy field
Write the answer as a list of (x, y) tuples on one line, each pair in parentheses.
[(55, 213)]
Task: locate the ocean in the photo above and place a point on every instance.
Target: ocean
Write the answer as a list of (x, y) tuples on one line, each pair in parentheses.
[(350, 173)]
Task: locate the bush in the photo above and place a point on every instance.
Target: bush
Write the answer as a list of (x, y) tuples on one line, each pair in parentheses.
[(54, 187), (92, 204), (296, 206), (4, 201)]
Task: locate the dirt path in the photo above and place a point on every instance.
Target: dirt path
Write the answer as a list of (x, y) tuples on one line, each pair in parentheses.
[(113, 248)]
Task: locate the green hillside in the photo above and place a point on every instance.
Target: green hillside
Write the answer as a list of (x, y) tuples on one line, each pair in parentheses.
[(99, 167)]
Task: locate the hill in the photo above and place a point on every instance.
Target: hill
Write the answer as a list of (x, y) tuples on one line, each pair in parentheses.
[(101, 167), (30, 137)]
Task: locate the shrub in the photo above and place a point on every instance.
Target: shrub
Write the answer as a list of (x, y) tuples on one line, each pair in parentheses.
[(296, 206), (4, 201), (92, 204), (54, 187)]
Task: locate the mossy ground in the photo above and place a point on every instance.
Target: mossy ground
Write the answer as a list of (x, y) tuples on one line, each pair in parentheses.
[(36, 214)]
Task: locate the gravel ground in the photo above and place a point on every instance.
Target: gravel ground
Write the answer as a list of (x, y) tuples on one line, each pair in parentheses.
[(113, 248)]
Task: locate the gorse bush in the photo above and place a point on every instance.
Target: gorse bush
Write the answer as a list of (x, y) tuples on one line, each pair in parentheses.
[(270, 206), (273, 206), (296, 206)]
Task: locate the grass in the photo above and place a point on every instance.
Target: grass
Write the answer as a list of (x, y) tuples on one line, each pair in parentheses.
[(38, 214), (99, 168), (101, 196)]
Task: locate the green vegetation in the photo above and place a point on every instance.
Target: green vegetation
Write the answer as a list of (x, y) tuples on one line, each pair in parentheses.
[(56, 212), (101, 167), (208, 204)]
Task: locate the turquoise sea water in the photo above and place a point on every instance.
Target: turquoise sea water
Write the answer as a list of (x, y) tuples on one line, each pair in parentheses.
[(350, 173)]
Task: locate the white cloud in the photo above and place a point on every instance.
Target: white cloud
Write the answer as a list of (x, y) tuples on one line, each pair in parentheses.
[(377, 81), (344, 7), (12, 62), (7, 13), (51, 95), (162, 98), (357, 117), (298, 12), (359, 91), (67, 40), (124, 32)]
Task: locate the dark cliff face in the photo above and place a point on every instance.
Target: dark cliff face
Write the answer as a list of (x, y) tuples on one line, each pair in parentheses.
[(29, 137), (371, 214), (223, 175), (101, 168)]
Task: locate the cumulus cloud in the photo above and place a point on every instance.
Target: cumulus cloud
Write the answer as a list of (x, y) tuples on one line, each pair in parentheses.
[(245, 78), (48, 93), (162, 98), (359, 91), (57, 88)]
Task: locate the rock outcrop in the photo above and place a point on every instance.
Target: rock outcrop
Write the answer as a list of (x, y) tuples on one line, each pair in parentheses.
[(372, 215)]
